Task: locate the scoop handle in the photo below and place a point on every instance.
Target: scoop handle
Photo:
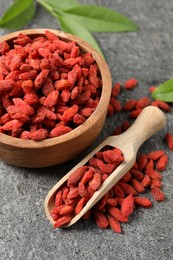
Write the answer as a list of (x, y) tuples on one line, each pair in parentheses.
[(149, 122)]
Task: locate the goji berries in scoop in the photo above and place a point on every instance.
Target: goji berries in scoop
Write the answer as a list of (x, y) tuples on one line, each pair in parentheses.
[(47, 84), (117, 205), (82, 184)]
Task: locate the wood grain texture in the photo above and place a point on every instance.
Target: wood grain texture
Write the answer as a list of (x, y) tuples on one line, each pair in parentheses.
[(38, 154)]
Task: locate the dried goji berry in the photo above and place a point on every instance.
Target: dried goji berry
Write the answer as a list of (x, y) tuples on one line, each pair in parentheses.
[(59, 130), (127, 177), (51, 99), (137, 174), (130, 83), (137, 185), (169, 140), (152, 88), (6, 84), (155, 183), (114, 224), (135, 113), (82, 190), (69, 113), (150, 165), (142, 161), (115, 104), (62, 221), (111, 202), (12, 124), (116, 89), (162, 162), (117, 214), (87, 176), (73, 193), (23, 106), (143, 102), (39, 134), (113, 156), (163, 105), (66, 210), (127, 188), (146, 181), (100, 219), (77, 175), (102, 203), (96, 181), (153, 174), (80, 205), (143, 202), (155, 155), (58, 198), (119, 192), (127, 206), (130, 105), (157, 193)]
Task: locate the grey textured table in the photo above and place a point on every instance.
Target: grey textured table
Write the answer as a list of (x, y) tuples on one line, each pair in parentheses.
[(25, 233)]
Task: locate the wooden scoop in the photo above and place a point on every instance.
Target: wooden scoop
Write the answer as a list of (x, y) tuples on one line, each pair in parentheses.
[(150, 121)]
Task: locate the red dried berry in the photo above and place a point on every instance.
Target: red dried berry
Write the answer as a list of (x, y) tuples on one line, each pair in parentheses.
[(153, 174), (100, 219), (131, 84), (143, 102), (114, 224), (117, 214), (155, 155), (143, 202), (130, 105), (116, 89), (162, 162), (157, 193), (146, 181), (169, 140), (127, 206), (76, 176)]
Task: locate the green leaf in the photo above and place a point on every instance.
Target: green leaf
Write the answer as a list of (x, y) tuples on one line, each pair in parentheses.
[(59, 4), (73, 27), (18, 14), (101, 19), (164, 92)]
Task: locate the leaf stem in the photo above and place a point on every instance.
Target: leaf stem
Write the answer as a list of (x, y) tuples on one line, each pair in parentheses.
[(50, 9)]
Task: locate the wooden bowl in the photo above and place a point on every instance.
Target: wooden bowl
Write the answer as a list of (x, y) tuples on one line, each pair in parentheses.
[(52, 151)]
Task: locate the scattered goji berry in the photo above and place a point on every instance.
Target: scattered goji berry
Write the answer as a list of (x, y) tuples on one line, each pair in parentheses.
[(157, 193), (169, 140), (131, 84), (143, 202), (162, 162), (155, 155), (130, 105), (114, 224), (100, 219), (143, 102), (127, 206), (146, 181)]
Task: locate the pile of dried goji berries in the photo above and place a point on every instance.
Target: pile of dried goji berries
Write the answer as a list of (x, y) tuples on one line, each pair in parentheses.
[(119, 203), (48, 86)]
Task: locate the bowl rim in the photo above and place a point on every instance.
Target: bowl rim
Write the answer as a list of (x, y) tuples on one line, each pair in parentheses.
[(105, 94)]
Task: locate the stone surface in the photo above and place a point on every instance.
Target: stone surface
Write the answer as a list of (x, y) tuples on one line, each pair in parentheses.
[(25, 233)]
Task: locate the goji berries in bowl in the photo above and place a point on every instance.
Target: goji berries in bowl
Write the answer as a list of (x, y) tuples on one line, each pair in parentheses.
[(54, 94)]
